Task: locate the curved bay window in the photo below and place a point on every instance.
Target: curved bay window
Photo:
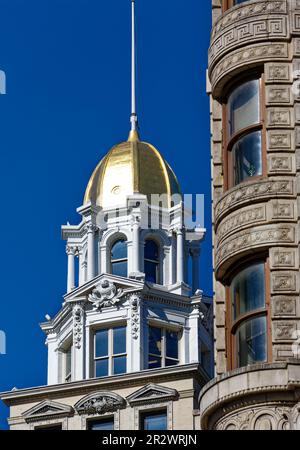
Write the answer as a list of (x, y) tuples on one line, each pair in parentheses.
[(151, 262), (243, 133), (248, 313), (226, 4), (119, 258)]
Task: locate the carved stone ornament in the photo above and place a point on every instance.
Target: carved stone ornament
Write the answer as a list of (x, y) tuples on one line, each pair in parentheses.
[(105, 295), (206, 316), (135, 300), (100, 403), (77, 326)]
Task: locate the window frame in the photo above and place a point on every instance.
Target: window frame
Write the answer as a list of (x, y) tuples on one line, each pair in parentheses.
[(68, 374), (102, 419), (154, 411), (111, 355), (228, 142), (163, 357), (120, 260), (232, 326), (156, 262)]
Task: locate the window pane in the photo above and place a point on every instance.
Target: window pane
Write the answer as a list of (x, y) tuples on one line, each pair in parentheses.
[(69, 361), (248, 290), (119, 250), (99, 425), (172, 344), (151, 250), (154, 421), (119, 340), (101, 368), (101, 343), (252, 341), (247, 158), (155, 340), (151, 271), (243, 107), (119, 269), (119, 365), (237, 2), (171, 362), (154, 362)]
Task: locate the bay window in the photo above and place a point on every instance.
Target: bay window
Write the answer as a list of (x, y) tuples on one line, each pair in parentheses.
[(248, 316), (163, 348), (243, 133), (110, 356)]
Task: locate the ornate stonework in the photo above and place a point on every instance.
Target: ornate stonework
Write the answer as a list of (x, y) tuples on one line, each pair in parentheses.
[(105, 295)]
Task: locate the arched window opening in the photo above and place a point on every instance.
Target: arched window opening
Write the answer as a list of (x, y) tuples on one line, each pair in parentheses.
[(119, 258), (151, 261)]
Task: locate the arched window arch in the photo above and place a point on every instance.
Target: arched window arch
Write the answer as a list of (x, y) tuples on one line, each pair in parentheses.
[(151, 261), (119, 258)]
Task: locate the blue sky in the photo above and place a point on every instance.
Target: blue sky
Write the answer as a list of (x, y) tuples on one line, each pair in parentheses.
[(68, 102)]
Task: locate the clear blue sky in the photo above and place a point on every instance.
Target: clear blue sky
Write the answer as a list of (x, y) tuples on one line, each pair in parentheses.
[(68, 101)]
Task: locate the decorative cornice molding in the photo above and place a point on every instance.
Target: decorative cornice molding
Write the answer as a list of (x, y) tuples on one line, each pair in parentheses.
[(105, 295), (100, 403)]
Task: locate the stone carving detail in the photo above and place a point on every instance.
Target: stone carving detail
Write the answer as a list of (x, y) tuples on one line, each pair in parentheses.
[(280, 164), (285, 331), (277, 72), (100, 404), (135, 301), (246, 216), (284, 306), (249, 54), (279, 140), (279, 117), (77, 326), (284, 282), (105, 295), (282, 258), (256, 237), (257, 418), (278, 95), (248, 193), (282, 210), (237, 31)]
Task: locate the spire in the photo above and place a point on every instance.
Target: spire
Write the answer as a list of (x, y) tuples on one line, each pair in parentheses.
[(133, 119)]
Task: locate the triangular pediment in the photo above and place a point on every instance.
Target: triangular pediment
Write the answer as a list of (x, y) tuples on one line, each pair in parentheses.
[(152, 393), (47, 409), (126, 285)]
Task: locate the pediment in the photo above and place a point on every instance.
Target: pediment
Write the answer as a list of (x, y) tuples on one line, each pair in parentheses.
[(47, 409), (100, 403), (124, 285), (152, 393)]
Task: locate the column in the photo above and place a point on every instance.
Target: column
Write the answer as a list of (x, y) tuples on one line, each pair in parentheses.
[(136, 245), (195, 252), (91, 229), (180, 256), (71, 268)]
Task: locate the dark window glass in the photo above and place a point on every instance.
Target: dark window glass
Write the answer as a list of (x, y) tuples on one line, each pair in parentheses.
[(119, 365), (237, 2), (252, 341), (101, 367), (247, 157), (119, 258), (151, 261), (104, 424), (49, 428), (154, 421), (171, 345), (248, 290), (155, 348), (119, 334), (101, 343)]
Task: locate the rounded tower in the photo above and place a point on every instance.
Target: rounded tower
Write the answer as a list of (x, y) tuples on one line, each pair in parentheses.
[(253, 71)]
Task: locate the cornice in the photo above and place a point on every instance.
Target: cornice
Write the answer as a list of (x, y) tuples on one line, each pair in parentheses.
[(112, 382)]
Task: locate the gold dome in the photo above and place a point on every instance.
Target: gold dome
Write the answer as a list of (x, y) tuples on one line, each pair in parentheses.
[(128, 168)]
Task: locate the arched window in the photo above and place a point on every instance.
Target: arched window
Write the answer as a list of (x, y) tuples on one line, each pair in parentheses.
[(151, 261), (119, 258)]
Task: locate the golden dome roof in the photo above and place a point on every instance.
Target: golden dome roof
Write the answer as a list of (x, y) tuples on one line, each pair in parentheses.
[(128, 168)]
